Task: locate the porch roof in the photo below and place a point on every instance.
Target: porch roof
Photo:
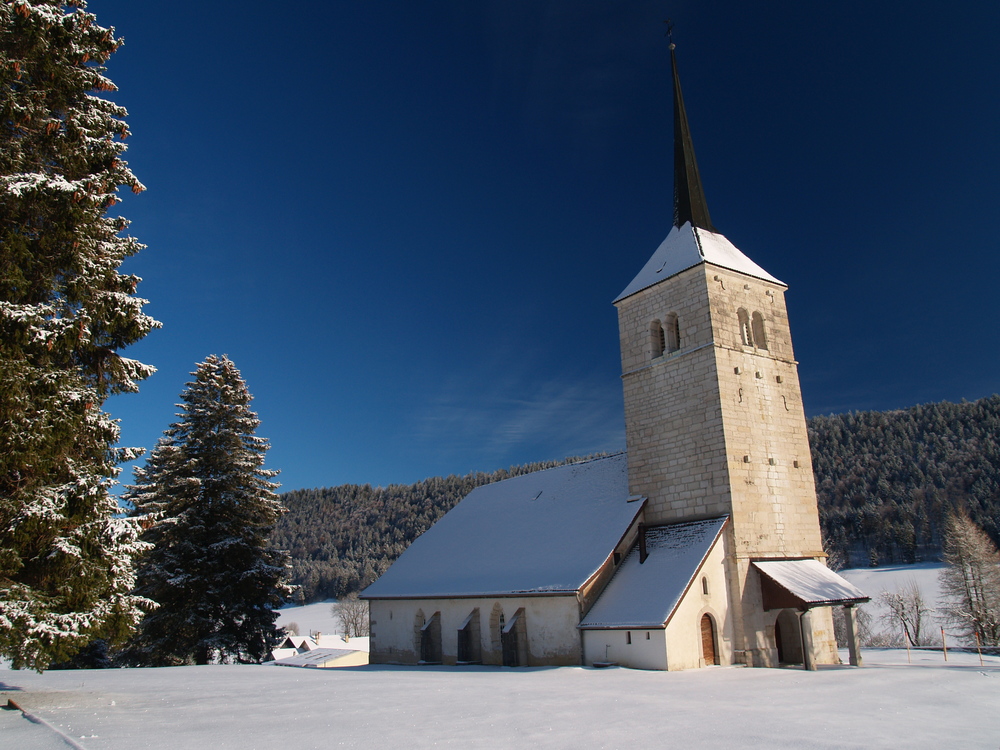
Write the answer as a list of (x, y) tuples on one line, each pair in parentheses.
[(803, 584)]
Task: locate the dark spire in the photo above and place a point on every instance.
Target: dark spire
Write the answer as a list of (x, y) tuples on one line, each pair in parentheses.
[(689, 198)]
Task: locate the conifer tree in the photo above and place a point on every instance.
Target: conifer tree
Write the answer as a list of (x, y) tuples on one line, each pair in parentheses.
[(971, 581), (65, 313), (209, 507)]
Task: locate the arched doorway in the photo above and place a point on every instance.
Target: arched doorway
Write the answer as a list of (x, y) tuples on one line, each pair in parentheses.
[(708, 650), (788, 637)]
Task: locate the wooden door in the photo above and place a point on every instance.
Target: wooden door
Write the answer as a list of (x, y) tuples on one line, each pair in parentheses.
[(708, 640)]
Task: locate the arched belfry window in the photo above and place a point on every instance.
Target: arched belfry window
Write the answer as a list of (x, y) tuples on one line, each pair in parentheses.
[(759, 337), (745, 334), (672, 333), (657, 338)]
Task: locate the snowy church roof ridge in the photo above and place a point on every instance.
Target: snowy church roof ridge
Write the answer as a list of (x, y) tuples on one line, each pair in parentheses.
[(687, 246), (544, 532), (644, 595)]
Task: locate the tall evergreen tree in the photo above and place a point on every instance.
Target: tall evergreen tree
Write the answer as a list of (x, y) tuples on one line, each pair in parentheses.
[(971, 581), (65, 312), (209, 506)]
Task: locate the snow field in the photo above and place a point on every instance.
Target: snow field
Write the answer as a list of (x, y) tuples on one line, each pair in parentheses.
[(887, 704), (310, 618), (873, 581)]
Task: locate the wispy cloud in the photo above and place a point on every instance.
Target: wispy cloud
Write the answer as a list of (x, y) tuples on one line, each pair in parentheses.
[(516, 416)]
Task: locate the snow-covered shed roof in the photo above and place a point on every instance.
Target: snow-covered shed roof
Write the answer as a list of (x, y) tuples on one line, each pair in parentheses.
[(322, 658), (803, 583), (545, 532), (644, 595), (687, 246)]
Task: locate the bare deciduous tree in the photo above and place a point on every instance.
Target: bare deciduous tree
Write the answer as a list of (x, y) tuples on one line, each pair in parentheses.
[(971, 581), (907, 610), (352, 614)]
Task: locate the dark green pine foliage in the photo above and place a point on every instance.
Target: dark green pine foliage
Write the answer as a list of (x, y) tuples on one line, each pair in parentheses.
[(888, 481), (209, 508), (65, 313)]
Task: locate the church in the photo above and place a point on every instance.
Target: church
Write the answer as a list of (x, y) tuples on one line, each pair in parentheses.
[(698, 545)]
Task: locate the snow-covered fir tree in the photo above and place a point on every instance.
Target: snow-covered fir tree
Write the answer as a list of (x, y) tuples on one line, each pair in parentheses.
[(65, 314), (209, 507)]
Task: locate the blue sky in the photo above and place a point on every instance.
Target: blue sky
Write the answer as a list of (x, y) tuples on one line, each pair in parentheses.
[(405, 222)]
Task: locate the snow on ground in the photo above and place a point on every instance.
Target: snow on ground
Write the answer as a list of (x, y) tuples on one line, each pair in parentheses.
[(310, 618), (886, 704), (889, 578), (873, 581), (317, 618), (889, 703)]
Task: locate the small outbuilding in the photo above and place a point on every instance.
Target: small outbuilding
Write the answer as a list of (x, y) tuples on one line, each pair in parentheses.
[(325, 658)]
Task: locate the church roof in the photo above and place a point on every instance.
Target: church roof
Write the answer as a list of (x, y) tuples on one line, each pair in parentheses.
[(545, 532), (686, 247), (644, 595)]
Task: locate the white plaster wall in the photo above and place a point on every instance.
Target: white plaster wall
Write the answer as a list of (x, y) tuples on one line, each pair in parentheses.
[(551, 627), (647, 651), (683, 632)]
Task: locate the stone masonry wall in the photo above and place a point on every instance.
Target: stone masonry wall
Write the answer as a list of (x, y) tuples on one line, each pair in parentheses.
[(767, 446), (673, 417), (718, 427)]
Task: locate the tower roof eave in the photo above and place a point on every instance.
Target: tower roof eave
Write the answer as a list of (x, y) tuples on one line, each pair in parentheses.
[(686, 247)]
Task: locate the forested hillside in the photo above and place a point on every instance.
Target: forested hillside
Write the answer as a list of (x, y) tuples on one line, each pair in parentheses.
[(343, 538), (886, 481)]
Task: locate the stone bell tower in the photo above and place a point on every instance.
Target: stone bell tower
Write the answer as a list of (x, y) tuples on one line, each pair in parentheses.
[(713, 412)]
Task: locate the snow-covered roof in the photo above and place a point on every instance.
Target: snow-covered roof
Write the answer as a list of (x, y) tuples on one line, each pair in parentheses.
[(687, 246), (317, 658), (546, 532), (334, 640), (644, 595), (298, 641), (811, 581)]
